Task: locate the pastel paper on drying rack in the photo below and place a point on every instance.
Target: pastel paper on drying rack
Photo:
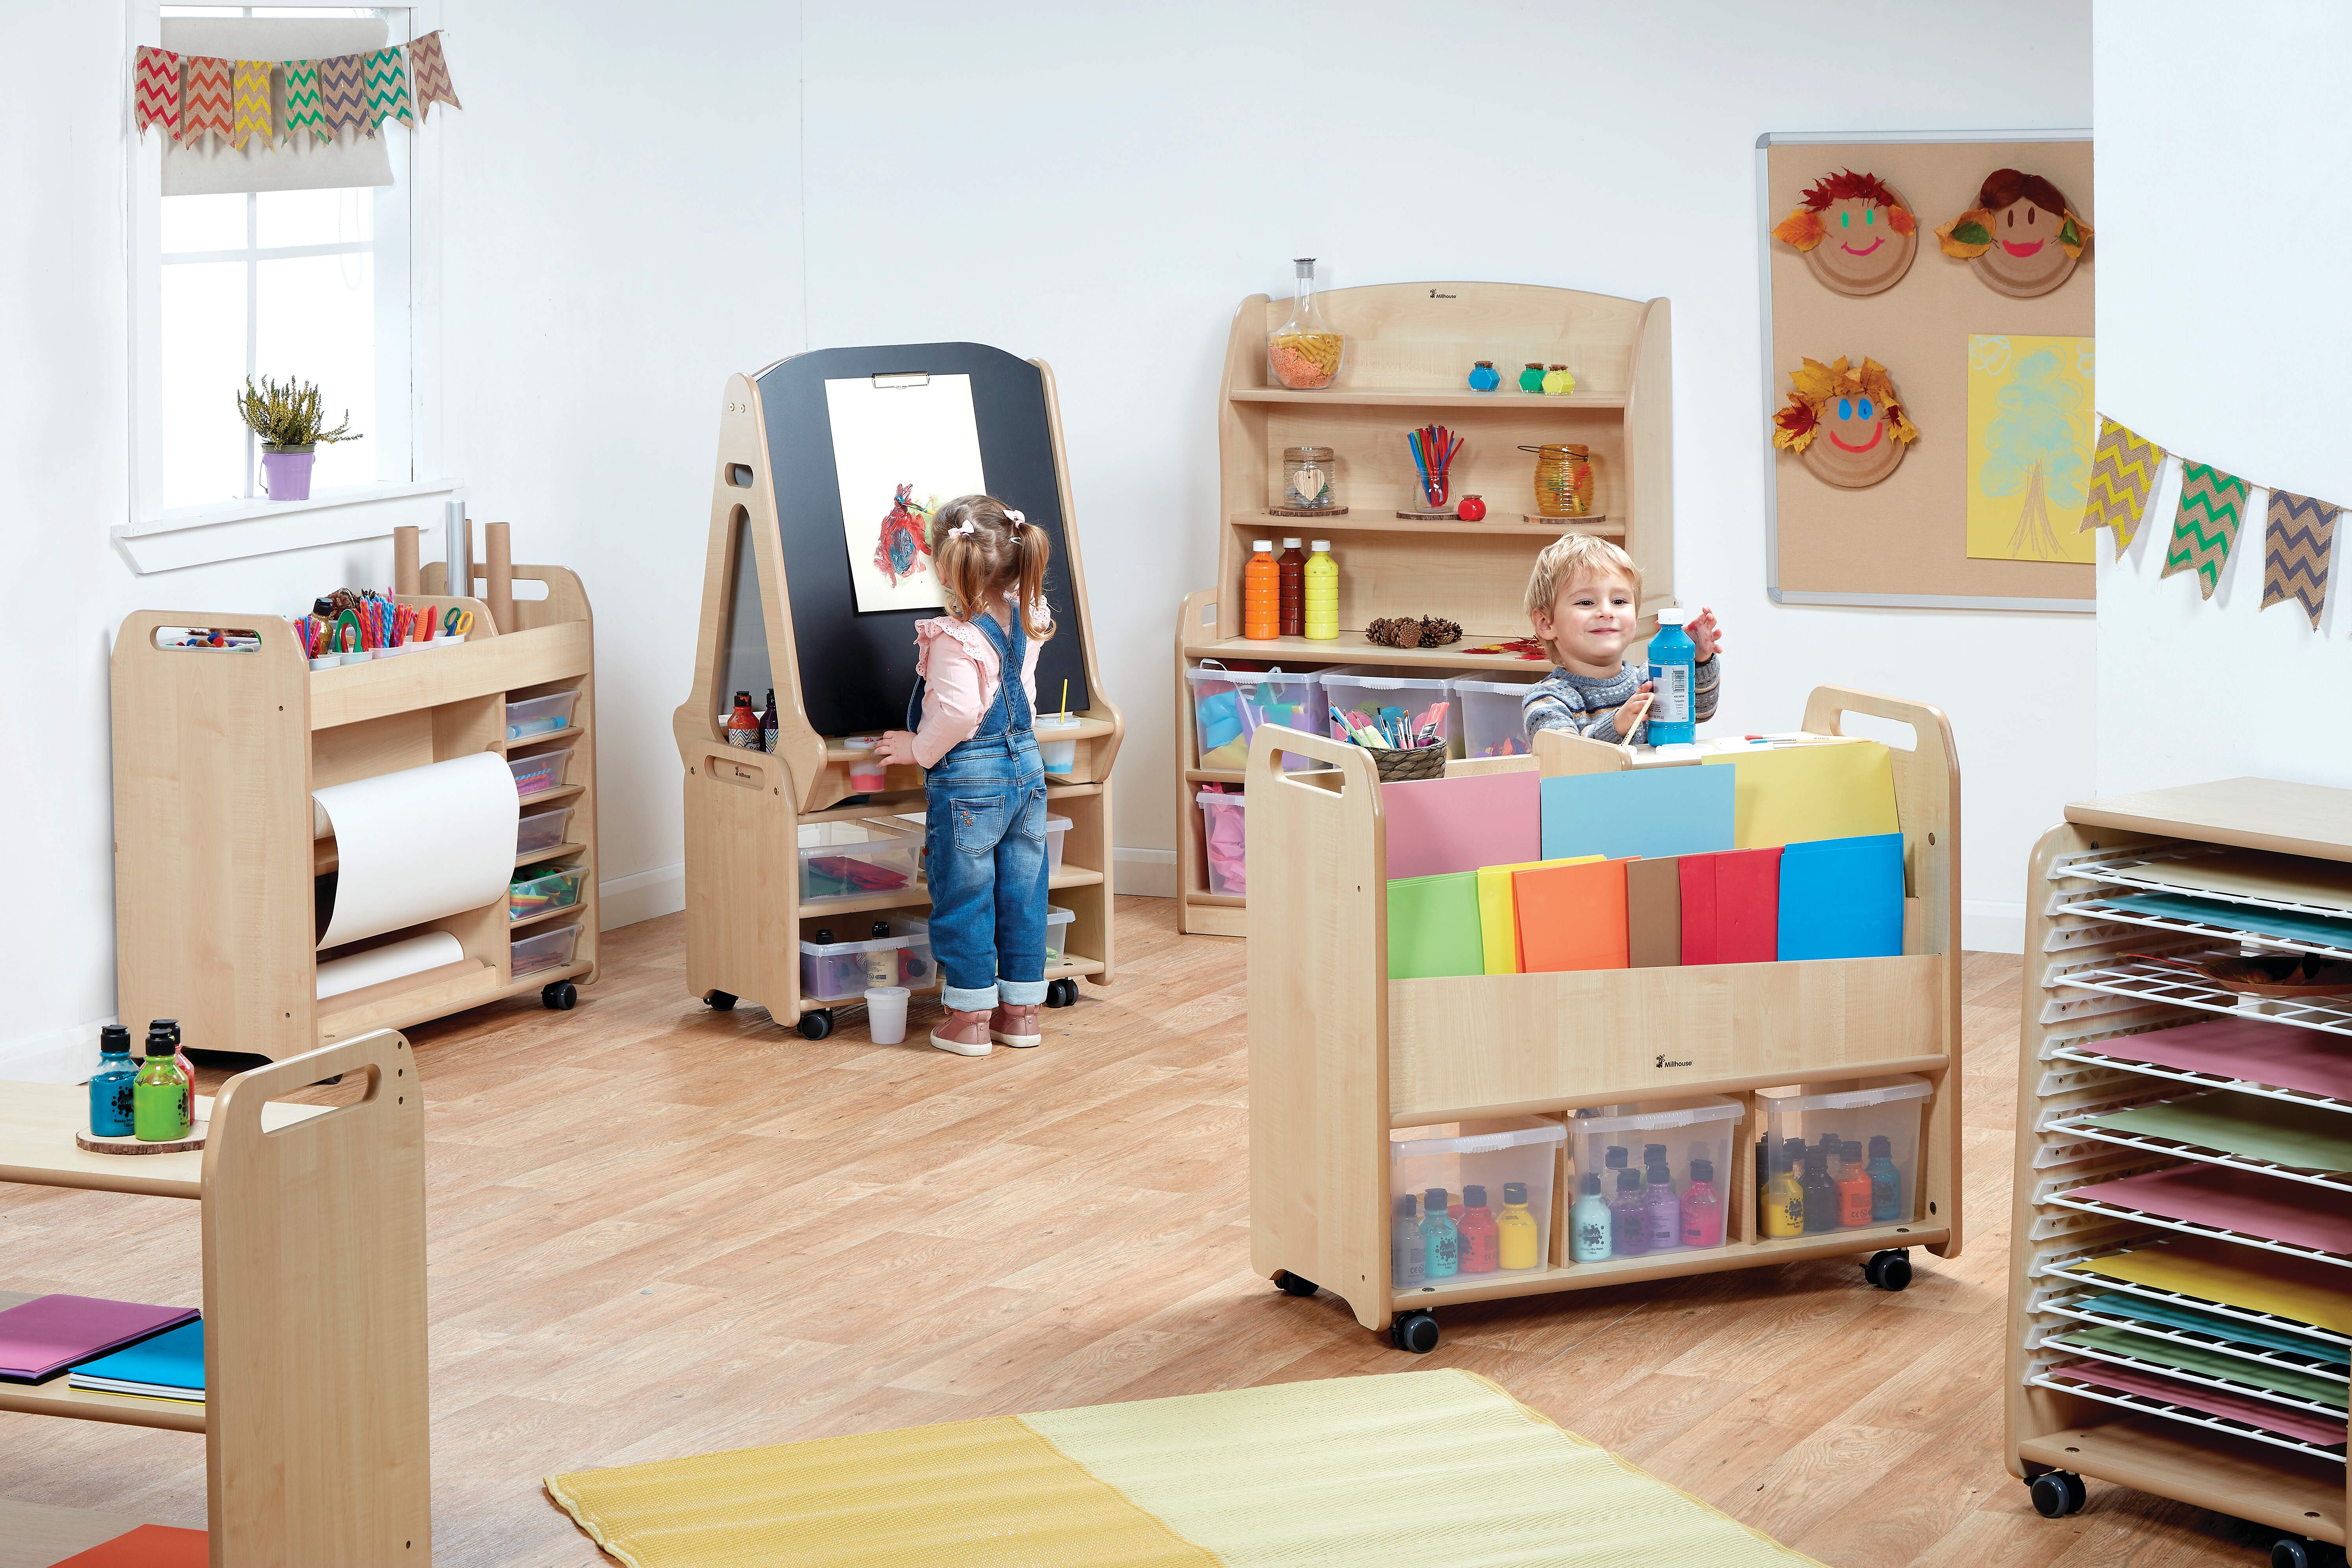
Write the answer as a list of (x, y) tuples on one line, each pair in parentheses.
[(419, 844)]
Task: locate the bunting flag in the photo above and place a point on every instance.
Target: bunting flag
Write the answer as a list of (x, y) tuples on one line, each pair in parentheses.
[(2213, 504), (252, 93), (155, 91), (2123, 471), (2295, 533), (430, 73), (342, 92), (211, 102), (302, 109), (387, 89)]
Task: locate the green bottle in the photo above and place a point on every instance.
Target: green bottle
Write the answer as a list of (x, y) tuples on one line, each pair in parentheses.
[(162, 1106)]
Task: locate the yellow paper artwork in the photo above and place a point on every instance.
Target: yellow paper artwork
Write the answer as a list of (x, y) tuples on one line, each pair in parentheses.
[(2031, 432)]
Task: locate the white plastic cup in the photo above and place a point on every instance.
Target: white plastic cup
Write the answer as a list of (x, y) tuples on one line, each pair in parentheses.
[(867, 778), (885, 1013)]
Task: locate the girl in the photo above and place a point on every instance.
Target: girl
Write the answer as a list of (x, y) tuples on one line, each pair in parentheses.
[(985, 830)]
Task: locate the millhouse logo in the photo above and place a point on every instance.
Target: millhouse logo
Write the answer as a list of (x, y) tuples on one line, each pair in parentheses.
[(1664, 1063)]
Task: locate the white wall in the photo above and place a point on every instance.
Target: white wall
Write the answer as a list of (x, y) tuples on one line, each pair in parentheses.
[(2233, 352), (1100, 187)]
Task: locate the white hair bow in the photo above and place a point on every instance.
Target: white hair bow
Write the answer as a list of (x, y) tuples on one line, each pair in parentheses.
[(964, 530), (1014, 517)]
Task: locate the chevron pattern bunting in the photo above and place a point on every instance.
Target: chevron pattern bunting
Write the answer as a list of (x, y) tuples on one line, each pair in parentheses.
[(430, 74), (342, 92), (252, 91), (155, 91), (302, 112), (2123, 471), (387, 89), (211, 102), (2296, 534), (2213, 504)]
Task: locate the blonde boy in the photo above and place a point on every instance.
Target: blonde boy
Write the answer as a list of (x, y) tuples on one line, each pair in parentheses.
[(1584, 599)]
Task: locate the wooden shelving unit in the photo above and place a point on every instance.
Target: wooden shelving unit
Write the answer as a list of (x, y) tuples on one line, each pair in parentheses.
[(1410, 347), (2086, 1003), (315, 1416), (216, 754)]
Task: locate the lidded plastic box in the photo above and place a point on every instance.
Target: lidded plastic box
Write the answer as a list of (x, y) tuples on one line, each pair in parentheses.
[(851, 859), (1493, 724), (1056, 830), (550, 949), (540, 715), (1415, 700), (1224, 841), (540, 771), (1858, 1164), (1664, 1174), (842, 971), (1495, 1178), (1057, 931), (541, 829), (1228, 706)]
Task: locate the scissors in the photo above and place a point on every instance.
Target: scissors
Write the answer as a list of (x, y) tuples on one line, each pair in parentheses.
[(458, 623)]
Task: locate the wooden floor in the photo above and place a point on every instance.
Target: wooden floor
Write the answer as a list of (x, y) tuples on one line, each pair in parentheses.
[(657, 1231)]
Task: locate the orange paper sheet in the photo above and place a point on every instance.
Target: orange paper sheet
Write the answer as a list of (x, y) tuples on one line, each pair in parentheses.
[(1571, 917), (149, 1546)]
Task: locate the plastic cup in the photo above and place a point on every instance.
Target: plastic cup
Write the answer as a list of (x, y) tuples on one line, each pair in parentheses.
[(885, 1013), (867, 779)]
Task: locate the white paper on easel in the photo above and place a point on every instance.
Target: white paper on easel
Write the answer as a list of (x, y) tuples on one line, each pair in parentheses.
[(920, 437), (419, 844), (393, 960)]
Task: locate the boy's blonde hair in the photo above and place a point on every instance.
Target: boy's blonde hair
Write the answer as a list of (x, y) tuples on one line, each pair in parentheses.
[(983, 549), (1570, 560)]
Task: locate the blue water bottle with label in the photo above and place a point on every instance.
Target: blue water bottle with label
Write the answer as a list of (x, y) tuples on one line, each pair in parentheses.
[(1673, 674)]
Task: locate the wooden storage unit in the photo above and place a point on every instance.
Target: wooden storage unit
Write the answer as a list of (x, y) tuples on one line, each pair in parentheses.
[(2085, 999), (1410, 347), (315, 1419), (1340, 1054), (216, 754)]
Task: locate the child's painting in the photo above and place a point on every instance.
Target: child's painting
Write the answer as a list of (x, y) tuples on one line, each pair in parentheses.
[(900, 449), (2030, 430), (2021, 236), (1844, 422), (1856, 234)]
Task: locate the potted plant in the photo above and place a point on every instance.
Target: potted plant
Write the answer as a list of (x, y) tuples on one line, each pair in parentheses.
[(287, 417)]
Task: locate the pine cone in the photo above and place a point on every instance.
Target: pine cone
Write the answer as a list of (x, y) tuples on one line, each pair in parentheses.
[(1437, 631), (1399, 631)]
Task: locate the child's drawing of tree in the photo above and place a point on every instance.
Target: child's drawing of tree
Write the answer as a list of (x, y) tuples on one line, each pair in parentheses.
[(2033, 449)]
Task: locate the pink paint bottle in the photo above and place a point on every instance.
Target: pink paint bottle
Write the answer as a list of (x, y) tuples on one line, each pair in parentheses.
[(1702, 1209)]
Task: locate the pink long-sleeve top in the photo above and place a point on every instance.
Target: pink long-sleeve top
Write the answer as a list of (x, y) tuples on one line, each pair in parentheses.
[(960, 672)]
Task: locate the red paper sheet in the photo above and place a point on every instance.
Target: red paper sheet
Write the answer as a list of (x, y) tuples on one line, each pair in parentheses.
[(2280, 1056), (2242, 1200), (1731, 906), (2259, 1413), (149, 1546)]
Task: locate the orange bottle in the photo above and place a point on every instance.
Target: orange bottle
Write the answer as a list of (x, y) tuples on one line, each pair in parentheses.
[(1262, 594)]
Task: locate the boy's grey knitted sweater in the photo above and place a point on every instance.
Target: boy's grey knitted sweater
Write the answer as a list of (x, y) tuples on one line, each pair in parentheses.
[(1588, 704)]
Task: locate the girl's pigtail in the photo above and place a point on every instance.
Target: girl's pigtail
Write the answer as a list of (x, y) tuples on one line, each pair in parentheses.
[(1033, 550)]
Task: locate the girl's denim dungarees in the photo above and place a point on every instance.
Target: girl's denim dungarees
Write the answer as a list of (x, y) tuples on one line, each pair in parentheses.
[(984, 845)]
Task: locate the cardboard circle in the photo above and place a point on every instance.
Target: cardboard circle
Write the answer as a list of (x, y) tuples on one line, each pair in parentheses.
[(2026, 277), (1835, 266)]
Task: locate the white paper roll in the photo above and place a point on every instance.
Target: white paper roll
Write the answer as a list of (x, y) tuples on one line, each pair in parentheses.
[(419, 844), (378, 965)]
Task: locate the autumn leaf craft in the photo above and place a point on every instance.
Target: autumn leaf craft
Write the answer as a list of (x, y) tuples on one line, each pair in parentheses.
[(2021, 236), (1844, 422), (1856, 234)]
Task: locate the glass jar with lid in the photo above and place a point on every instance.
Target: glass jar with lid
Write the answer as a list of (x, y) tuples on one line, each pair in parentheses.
[(1307, 480), (1304, 352)]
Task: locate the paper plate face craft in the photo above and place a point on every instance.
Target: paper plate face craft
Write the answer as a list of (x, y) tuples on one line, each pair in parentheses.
[(2021, 235), (1856, 234), (1844, 422)]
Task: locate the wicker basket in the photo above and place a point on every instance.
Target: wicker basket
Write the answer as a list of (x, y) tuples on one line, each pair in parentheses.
[(1410, 763)]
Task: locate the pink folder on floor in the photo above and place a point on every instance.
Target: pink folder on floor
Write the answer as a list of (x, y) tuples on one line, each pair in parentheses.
[(1439, 826), (2259, 1413), (2243, 1201), (42, 1337)]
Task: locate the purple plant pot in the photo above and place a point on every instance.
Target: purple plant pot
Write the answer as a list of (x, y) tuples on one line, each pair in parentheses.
[(286, 476)]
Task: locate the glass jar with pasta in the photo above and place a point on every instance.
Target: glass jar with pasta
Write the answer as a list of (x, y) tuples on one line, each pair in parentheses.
[(1304, 353)]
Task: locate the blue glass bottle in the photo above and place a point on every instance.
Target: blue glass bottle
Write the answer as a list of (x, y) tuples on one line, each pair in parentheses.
[(109, 1086), (1483, 377), (1673, 676), (1886, 1183)]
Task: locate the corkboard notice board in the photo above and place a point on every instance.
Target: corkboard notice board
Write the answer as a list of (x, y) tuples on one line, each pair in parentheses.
[(1904, 540)]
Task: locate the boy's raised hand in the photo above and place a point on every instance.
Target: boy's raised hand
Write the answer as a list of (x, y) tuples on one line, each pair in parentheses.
[(1705, 634)]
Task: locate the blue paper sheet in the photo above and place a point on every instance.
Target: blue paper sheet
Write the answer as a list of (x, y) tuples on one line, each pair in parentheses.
[(172, 1361), (1641, 813), (1843, 898)]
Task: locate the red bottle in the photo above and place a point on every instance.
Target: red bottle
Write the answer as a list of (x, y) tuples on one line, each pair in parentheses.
[(1482, 1238), (744, 725), (1471, 510), (1292, 564)]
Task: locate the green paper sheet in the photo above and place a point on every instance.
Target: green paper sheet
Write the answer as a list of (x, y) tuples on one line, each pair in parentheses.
[(2207, 1363), (2304, 1137), (2283, 924), (2172, 1315), (1434, 926)]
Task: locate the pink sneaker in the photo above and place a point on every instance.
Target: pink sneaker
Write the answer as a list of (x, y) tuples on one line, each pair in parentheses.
[(1014, 1025), (965, 1034)]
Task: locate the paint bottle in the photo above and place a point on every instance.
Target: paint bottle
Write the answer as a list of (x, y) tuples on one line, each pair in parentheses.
[(1521, 1239), (1322, 589), (1262, 594), (1658, 1201), (1441, 1243), (881, 964), (1588, 1221), (1854, 1187), (1702, 1210), (768, 722), (1886, 1204), (744, 725), (1406, 1263), (1629, 1218), (1481, 1242), (1821, 1193), (109, 1086), (1784, 1197), (1614, 1158), (1292, 566), (170, 1029), (161, 1108), (1673, 674)]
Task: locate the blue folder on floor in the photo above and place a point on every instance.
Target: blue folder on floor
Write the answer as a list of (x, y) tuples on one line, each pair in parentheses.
[(1640, 814), (1843, 898), (168, 1366)]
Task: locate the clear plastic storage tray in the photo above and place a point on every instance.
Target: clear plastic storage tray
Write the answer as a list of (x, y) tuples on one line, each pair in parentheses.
[(1228, 706), (1839, 1155), (1492, 723), (529, 894), (546, 950), (1506, 1161), (842, 861), (1056, 830), (540, 771), (1057, 931), (1652, 1177), (540, 715), (1416, 701), (842, 971), (1224, 841), (541, 829)]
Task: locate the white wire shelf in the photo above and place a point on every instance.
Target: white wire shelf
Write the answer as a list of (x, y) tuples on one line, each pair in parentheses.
[(2114, 1211), (2152, 983), (2144, 870), (2081, 1126), (2091, 906), (2200, 1303), (2203, 1379), (2065, 1384), (2078, 1308), (2092, 1056)]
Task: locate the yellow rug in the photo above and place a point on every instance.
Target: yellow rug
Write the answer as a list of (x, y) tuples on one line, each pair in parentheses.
[(1415, 1469)]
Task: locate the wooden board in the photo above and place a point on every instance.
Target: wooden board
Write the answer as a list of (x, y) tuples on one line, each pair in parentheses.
[(93, 1144), (1831, 546), (37, 1124)]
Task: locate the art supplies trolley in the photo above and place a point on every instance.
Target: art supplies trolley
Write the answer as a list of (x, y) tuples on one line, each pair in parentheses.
[(1344, 1060), (2180, 1273), (221, 867), (787, 845)]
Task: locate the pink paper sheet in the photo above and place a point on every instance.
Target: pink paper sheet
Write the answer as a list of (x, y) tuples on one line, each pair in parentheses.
[(42, 1337), (2242, 1200), (1441, 825), (2280, 1055), (2259, 1413)]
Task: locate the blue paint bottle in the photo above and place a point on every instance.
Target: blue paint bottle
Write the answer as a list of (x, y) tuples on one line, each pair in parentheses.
[(1441, 1242), (109, 1086), (1885, 1185), (1673, 678)]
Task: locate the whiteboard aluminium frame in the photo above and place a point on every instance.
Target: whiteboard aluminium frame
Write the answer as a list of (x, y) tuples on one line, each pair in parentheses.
[(1780, 596)]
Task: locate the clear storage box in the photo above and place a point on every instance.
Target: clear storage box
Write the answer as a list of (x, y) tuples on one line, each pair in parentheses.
[(1056, 830), (540, 715), (1412, 700), (853, 859), (1228, 706), (1493, 724), (1652, 1177), (1839, 1155), (1470, 1200), (1057, 930), (545, 950), (843, 971), (1225, 840), (540, 771), (541, 829), (531, 894)]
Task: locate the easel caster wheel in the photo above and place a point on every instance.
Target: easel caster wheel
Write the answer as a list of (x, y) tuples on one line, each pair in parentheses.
[(2057, 1494), (1061, 993), (1294, 1285), (1890, 1271), (721, 1001), (816, 1025), (2294, 1552), (560, 997), (1415, 1331)]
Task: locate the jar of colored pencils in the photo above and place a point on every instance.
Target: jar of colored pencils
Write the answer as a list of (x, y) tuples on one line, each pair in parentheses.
[(1563, 479)]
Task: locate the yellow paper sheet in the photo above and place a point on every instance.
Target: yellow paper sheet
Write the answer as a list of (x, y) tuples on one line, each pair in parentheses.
[(1795, 795), (2308, 1292), (1498, 921)]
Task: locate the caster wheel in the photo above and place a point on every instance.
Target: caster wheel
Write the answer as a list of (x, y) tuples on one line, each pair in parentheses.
[(816, 1025), (2057, 1494), (329, 1083), (1415, 1331), (2287, 1552), (721, 1001), (1062, 992), (560, 997), (1888, 1270), (1294, 1285)]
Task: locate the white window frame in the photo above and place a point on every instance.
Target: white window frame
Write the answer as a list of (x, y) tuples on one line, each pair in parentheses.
[(156, 538)]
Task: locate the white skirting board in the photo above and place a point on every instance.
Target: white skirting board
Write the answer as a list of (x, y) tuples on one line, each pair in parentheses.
[(61, 1056), (1149, 872), (1991, 925)]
